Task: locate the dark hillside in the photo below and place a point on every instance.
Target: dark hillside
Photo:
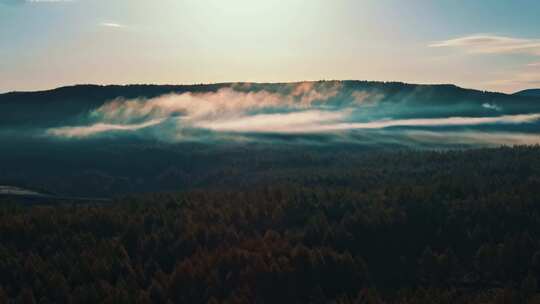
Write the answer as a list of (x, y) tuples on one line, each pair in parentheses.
[(71, 104), (405, 227)]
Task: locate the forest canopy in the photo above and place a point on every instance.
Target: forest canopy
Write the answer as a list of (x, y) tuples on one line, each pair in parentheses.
[(412, 227)]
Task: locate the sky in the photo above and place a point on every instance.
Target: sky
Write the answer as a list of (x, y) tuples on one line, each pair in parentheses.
[(483, 44)]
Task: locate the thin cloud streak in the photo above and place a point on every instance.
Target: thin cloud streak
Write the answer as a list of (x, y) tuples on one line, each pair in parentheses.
[(492, 44), (434, 122), (86, 131), (321, 122), (112, 25), (294, 122)]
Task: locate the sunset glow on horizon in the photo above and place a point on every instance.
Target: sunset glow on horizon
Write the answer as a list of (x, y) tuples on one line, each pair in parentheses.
[(487, 45)]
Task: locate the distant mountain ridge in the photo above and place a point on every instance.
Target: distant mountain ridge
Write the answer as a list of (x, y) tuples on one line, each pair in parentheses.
[(529, 92), (70, 104), (107, 92), (153, 90), (97, 141)]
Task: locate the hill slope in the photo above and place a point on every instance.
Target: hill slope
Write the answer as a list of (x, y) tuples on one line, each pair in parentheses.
[(70, 104), (103, 140), (529, 92)]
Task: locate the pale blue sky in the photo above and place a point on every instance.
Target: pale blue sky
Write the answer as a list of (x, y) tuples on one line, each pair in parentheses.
[(484, 44)]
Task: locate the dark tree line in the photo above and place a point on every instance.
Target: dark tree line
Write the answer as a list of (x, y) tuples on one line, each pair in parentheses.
[(443, 227)]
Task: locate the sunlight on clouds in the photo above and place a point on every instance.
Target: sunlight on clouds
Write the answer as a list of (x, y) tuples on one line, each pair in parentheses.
[(296, 108), (224, 109), (224, 103), (296, 122), (320, 122), (230, 111), (264, 41)]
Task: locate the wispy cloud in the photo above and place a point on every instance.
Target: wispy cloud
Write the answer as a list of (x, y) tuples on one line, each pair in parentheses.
[(321, 122), (491, 106), (85, 131), (223, 104), (435, 122), (295, 122), (492, 44), (112, 25), (295, 110), (224, 109)]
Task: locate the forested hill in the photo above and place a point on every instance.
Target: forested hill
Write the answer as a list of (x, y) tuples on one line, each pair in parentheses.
[(96, 94), (530, 92), (70, 103)]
